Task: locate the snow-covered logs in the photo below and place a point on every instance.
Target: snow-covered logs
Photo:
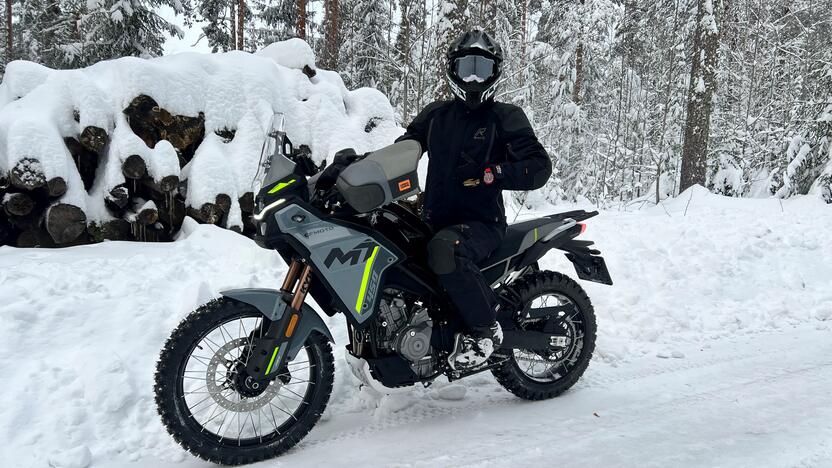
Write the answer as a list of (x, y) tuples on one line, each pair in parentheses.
[(126, 149)]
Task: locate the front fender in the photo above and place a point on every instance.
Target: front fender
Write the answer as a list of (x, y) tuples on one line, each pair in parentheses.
[(271, 304)]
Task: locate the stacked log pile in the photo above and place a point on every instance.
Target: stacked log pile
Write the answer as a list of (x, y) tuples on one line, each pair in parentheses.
[(127, 149), (144, 208)]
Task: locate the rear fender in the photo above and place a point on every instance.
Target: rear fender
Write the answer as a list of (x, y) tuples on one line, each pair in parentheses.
[(589, 265), (271, 304)]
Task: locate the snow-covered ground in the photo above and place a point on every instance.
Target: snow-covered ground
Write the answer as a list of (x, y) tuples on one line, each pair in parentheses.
[(714, 349)]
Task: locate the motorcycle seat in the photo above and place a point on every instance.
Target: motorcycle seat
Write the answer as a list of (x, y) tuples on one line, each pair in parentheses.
[(520, 236)]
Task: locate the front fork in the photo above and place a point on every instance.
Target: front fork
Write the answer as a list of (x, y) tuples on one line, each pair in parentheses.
[(268, 352)]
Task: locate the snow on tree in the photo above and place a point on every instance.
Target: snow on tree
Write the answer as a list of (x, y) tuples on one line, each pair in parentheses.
[(453, 19), (220, 17)]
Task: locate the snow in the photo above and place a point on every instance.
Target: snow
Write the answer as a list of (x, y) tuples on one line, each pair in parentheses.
[(292, 53), (735, 292), (708, 19), (236, 90)]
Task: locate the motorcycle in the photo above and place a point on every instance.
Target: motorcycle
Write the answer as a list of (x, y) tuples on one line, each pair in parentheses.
[(246, 376)]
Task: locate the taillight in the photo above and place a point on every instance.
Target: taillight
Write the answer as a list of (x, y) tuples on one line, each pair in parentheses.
[(583, 227)]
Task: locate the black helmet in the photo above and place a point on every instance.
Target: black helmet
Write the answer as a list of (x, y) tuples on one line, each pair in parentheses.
[(474, 66)]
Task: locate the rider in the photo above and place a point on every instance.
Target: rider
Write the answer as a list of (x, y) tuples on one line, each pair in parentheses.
[(477, 148)]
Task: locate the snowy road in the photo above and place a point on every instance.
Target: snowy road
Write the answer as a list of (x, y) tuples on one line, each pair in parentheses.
[(714, 349), (761, 400)]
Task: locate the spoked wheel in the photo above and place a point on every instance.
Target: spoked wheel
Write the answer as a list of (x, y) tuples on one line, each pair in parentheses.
[(215, 410), (542, 374)]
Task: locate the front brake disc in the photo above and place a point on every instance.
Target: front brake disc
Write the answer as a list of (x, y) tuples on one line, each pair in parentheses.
[(219, 391)]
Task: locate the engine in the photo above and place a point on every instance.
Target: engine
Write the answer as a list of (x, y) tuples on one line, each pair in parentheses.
[(406, 329)]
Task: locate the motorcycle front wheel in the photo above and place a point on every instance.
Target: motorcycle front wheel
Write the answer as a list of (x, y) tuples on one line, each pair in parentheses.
[(204, 405)]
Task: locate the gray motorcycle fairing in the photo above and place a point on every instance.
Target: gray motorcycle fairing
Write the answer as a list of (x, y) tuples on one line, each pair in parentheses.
[(271, 304)]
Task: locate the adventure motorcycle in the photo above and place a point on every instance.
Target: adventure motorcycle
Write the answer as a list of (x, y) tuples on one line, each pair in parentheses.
[(246, 377)]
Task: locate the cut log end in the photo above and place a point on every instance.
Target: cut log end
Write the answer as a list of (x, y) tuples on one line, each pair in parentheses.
[(94, 138), (134, 167), (118, 198), (169, 183), (147, 216), (33, 237), (27, 174), (247, 202), (116, 229), (65, 222), (224, 202), (18, 204), (309, 71), (56, 187), (208, 213)]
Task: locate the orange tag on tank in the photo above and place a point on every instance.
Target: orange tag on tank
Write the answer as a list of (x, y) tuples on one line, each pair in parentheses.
[(404, 185)]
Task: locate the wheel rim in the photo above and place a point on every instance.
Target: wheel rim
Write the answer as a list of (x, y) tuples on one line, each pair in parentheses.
[(216, 408), (546, 366)]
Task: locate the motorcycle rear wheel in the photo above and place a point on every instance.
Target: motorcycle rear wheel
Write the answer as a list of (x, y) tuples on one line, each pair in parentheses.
[(540, 375), (198, 377)]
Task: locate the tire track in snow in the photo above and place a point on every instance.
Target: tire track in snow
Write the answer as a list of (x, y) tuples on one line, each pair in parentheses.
[(421, 413)]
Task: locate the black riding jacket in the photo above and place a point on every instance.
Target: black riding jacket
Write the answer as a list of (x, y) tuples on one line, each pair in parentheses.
[(461, 143)]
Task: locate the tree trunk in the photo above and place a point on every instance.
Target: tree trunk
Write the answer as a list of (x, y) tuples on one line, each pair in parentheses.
[(241, 20), (331, 35), (9, 35), (700, 95), (233, 28), (301, 24), (579, 73)]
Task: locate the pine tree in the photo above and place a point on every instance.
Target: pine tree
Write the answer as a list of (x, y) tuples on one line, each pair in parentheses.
[(117, 28), (220, 16), (44, 32), (373, 60), (365, 52), (408, 48), (453, 20)]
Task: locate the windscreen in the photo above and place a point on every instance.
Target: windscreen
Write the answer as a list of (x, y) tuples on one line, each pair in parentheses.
[(273, 165)]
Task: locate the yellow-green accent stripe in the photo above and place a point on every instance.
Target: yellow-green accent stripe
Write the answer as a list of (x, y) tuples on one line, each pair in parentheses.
[(535, 234), (368, 267), (281, 186), (271, 363)]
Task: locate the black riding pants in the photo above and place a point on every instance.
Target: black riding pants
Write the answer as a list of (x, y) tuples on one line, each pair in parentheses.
[(453, 254)]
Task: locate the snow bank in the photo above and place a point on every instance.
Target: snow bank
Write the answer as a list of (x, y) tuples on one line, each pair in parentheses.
[(81, 327), (39, 107)]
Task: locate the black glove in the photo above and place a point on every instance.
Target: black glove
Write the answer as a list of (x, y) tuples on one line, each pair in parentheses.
[(340, 161)]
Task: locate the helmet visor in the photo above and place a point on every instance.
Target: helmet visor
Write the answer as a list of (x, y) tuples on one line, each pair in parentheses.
[(473, 68)]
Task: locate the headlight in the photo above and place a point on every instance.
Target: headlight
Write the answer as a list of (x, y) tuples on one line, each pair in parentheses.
[(259, 217)]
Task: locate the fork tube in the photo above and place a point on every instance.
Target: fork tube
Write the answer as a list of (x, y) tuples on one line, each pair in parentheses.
[(302, 288), (291, 276)]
